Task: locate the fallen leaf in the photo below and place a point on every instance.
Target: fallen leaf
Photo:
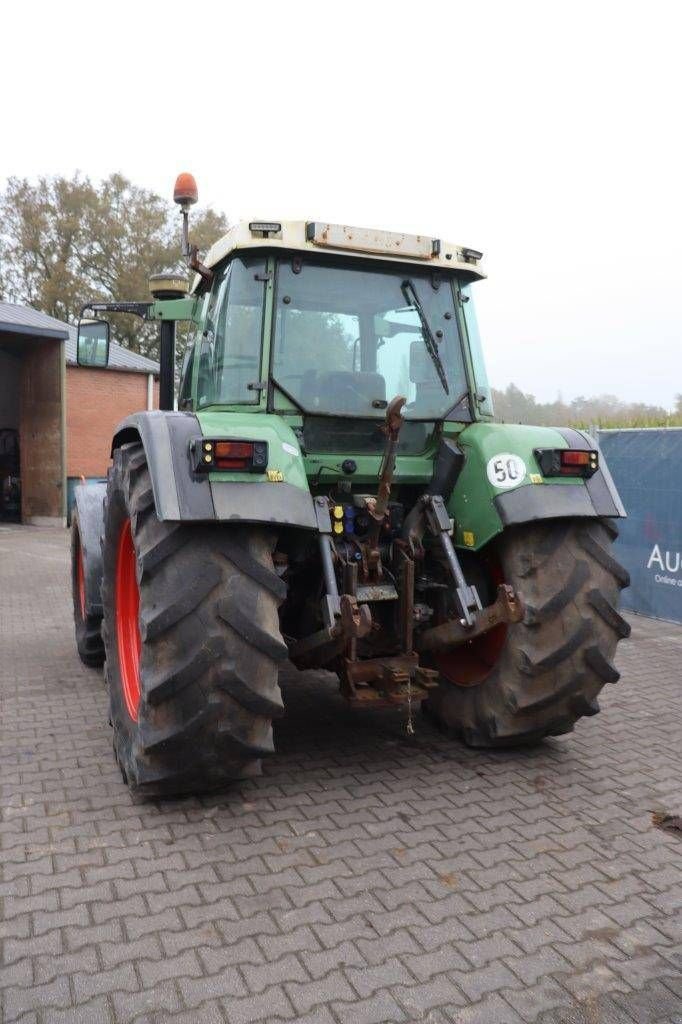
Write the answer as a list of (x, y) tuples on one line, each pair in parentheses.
[(667, 822)]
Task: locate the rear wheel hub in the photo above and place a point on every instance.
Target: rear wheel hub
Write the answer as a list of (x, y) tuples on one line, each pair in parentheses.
[(472, 662)]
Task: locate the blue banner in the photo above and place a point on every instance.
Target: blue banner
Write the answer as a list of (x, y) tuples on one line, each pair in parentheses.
[(646, 466)]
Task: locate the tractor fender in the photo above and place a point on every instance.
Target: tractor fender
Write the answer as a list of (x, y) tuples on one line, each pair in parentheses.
[(181, 494), (594, 497), (89, 501), (481, 508)]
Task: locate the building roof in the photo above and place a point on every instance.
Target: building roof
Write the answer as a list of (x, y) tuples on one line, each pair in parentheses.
[(17, 319), (120, 358), (20, 319)]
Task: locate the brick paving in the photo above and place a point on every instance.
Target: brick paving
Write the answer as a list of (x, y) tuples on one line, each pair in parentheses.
[(367, 876)]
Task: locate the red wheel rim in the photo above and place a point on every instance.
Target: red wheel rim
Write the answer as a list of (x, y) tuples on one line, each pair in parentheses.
[(473, 662), (80, 578), (127, 620)]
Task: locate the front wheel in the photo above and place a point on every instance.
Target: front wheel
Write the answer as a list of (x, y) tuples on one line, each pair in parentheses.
[(87, 626), (192, 641), (537, 677)]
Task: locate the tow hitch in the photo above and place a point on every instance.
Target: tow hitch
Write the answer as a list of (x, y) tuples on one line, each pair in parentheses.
[(380, 666), (506, 609)]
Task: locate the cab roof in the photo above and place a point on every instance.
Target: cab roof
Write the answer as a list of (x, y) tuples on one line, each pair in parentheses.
[(343, 240)]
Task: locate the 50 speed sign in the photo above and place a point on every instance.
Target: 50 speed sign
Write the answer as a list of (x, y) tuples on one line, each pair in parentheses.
[(506, 470)]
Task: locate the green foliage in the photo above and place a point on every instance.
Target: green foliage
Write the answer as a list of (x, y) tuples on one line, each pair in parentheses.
[(66, 241), (515, 406)]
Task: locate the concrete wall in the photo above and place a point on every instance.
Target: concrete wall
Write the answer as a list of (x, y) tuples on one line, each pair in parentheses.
[(96, 401), (41, 448), (10, 370)]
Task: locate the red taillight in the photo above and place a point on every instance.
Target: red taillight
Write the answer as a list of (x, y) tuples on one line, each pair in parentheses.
[(210, 455), (573, 458), (567, 461), (233, 455)]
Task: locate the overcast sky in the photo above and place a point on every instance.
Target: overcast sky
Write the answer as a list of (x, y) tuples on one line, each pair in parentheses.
[(545, 134)]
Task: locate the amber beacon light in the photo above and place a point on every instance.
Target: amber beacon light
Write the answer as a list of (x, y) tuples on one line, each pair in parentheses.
[(185, 192)]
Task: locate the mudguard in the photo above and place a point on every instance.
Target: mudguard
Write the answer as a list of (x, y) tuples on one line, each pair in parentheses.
[(89, 500), (279, 496), (484, 502)]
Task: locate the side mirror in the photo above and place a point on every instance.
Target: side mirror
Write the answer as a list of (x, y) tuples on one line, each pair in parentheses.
[(92, 346)]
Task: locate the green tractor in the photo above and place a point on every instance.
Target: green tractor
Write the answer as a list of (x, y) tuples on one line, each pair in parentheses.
[(329, 486)]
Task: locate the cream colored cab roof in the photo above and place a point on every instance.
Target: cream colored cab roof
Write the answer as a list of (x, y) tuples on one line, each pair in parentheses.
[(343, 240)]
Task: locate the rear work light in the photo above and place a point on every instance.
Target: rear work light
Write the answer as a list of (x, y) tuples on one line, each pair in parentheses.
[(221, 455), (567, 461), (265, 228)]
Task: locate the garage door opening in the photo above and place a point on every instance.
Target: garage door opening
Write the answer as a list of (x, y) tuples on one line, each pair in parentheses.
[(10, 473), (32, 414)]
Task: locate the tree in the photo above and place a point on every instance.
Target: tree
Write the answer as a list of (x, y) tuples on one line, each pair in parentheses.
[(64, 241), (514, 406), (41, 233)]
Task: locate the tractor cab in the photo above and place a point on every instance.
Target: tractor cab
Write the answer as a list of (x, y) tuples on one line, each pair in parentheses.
[(337, 328)]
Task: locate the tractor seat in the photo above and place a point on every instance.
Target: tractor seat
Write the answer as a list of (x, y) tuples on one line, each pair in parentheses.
[(342, 391)]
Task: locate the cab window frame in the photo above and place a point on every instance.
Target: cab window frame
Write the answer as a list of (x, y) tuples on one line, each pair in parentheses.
[(257, 260), (449, 281)]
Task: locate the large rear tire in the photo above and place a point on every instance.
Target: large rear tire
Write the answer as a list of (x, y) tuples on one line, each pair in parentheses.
[(88, 627), (545, 672), (192, 641)]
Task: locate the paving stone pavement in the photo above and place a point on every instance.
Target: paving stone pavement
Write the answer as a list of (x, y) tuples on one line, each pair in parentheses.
[(367, 876)]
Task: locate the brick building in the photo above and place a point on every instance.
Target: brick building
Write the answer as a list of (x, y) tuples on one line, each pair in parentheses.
[(96, 400), (57, 418)]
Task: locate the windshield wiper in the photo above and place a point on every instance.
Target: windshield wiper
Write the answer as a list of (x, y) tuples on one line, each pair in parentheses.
[(411, 297)]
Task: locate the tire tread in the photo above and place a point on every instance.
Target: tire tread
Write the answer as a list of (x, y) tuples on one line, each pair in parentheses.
[(556, 661), (211, 645)]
